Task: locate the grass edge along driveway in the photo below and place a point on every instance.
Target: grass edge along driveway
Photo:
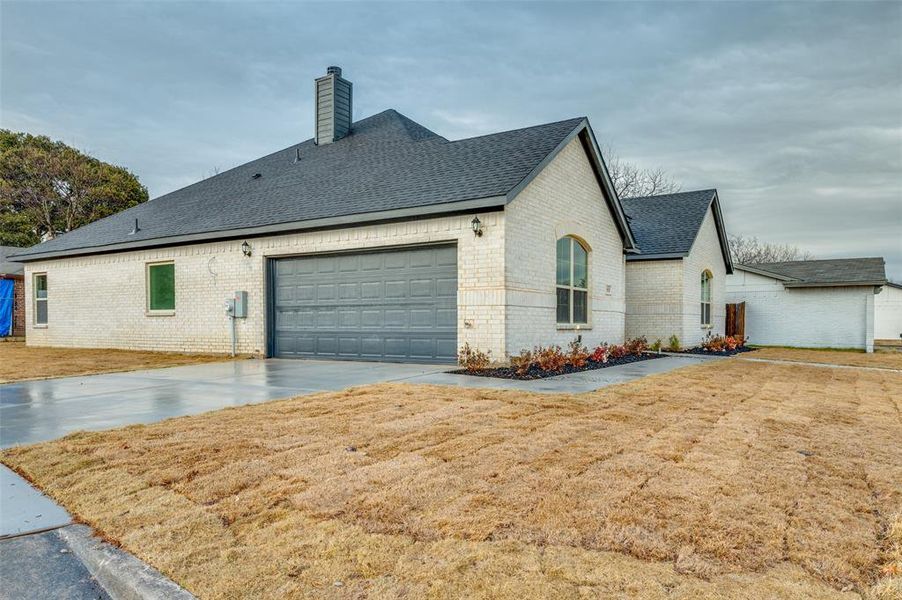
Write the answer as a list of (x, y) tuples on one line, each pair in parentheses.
[(19, 362)]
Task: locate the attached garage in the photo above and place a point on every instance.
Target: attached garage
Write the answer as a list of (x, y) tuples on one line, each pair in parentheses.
[(384, 305)]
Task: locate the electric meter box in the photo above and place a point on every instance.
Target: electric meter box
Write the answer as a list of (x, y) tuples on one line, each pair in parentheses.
[(240, 305)]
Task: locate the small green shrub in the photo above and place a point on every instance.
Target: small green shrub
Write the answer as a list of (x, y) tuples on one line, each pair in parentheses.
[(657, 345), (674, 343)]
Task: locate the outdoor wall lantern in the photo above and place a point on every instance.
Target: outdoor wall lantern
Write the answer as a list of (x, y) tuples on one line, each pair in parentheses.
[(246, 248), (477, 226)]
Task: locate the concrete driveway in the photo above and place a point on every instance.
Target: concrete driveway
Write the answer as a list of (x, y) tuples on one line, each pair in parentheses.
[(36, 411)]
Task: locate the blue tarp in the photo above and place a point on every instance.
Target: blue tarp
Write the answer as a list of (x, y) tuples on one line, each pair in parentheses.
[(6, 306)]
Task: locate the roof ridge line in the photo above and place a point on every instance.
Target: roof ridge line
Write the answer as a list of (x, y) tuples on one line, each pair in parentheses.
[(476, 137)]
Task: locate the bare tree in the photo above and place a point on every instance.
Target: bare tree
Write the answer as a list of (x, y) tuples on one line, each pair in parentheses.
[(750, 251), (632, 181)]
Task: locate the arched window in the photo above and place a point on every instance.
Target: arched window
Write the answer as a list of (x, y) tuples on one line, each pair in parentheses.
[(706, 298), (572, 282)]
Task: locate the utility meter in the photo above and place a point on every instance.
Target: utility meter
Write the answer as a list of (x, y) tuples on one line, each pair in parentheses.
[(230, 307), (239, 305)]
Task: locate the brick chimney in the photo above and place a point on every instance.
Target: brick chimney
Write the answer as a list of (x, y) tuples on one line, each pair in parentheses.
[(333, 106)]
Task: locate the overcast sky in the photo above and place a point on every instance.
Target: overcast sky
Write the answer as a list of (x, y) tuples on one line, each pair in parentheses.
[(792, 111)]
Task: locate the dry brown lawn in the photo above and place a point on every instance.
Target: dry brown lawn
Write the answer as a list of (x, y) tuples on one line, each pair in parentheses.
[(733, 479), (19, 362), (877, 360)]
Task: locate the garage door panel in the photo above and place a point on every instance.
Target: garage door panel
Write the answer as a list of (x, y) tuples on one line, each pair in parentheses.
[(421, 288), (422, 318), (446, 257), (395, 290), (395, 261), (395, 317), (381, 305), (446, 287), (446, 318), (371, 289), (349, 319)]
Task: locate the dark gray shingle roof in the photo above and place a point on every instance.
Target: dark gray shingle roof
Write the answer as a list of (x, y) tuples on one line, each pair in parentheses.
[(668, 223), (7, 267), (388, 162), (837, 271)]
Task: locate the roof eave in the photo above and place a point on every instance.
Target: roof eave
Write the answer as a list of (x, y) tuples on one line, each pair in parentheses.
[(813, 284), (658, 256), (587, 136), (280, 228), (764, 273)]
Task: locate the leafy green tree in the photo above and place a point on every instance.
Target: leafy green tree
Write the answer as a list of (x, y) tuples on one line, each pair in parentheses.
[(48, 188)]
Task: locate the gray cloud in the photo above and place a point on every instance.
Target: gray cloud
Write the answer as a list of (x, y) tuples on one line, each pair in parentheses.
[(793, 111)]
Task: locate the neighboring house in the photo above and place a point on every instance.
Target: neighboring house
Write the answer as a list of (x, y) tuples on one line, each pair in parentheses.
[(888, 314), (675, 286), (810, 303), (12, 294), (378, 239)]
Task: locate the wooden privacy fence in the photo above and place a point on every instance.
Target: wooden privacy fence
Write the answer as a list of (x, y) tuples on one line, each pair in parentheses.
[(735, 319)]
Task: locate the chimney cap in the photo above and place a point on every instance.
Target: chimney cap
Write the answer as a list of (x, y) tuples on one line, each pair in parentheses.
[(333, 70)]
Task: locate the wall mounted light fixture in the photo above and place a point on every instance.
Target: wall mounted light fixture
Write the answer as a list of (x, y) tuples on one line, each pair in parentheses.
[(245, 248), (476, 224)]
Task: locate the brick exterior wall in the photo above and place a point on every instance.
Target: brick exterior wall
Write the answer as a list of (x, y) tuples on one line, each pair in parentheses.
[(654, 299), (664, 296), (100, 301), (705, 254), (19, 307), (829, 317), (564, 199)]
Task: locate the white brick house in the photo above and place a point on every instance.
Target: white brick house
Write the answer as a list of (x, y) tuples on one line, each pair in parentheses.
[(378, 239), (812, 303), (675, 285)]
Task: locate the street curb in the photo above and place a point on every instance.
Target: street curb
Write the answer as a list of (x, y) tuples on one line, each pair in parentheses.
[(123, 576)]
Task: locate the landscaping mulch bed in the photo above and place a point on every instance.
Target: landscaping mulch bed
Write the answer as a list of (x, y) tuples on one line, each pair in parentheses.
[(702, 352), (536, 373)]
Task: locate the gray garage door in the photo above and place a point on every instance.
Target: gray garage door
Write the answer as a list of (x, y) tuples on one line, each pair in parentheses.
[(393, 305)]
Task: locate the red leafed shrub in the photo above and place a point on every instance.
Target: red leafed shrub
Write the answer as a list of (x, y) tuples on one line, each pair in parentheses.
[(600, 354), (730, 343), (577, 355), (522, 362), (550, 359), (636, 345), (617, 351), (473, 360), (714, 343)]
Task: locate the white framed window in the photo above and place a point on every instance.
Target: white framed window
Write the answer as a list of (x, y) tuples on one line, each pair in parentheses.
[(572, 282), (161, 288), (39, 285), (706, 298)]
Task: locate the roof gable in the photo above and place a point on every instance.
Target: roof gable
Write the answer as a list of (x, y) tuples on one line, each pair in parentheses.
[(667, 225), (388, 165)]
